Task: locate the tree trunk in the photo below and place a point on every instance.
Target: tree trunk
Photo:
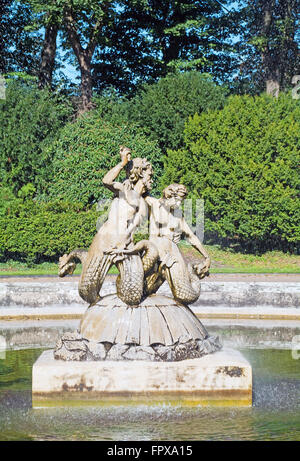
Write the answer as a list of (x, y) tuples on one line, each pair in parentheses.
[(84, 58), (171, 50), (290, 48), (86, 83), (48, 56), (273, 84), (269, 61), (171, 53)]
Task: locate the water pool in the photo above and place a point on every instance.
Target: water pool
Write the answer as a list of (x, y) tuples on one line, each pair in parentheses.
[(275, 414)]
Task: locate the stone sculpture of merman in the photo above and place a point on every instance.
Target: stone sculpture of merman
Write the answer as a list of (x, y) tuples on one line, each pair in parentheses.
[(136, 323), (128, 209)]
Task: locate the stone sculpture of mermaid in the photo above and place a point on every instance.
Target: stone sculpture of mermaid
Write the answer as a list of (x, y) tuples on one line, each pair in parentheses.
[(136, 323), (127, 211), (166, 231)]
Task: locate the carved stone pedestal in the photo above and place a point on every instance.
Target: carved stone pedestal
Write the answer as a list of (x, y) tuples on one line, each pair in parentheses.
[(222, 378), (158, 329)]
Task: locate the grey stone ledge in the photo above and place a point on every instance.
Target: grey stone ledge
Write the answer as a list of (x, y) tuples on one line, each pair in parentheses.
[(213, 294)]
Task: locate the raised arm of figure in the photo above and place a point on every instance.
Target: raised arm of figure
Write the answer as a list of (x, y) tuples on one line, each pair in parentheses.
[(153, 212), (201, 269), (138, 219), (109, 178)]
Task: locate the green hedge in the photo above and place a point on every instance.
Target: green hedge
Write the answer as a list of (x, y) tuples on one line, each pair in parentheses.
[(244, 162), (35, 232), (29, 120), (161, 109), (85, 151)]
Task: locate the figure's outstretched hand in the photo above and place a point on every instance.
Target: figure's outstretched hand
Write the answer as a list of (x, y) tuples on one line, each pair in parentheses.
[(125, 154), (116, 251), (202, 270), (119, 248)]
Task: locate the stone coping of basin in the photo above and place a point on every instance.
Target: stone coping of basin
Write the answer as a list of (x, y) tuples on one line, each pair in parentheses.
[(218, 312), (223, 378), (213, 276), (213, 294)]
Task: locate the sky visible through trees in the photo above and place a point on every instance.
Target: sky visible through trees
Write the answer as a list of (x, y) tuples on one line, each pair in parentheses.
[(72, 73), (249, 45)]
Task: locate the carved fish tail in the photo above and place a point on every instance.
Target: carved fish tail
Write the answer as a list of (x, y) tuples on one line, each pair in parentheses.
[(93, 277), (130, 281), (150, 256), (195, 281), (152, 283), (185, 290), (67, 263)]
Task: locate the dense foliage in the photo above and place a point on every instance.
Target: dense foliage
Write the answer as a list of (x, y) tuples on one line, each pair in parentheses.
[(19, 46), (86, 150), (148, 71), (34, 232), (162, 108), (29, 120), (268, 45), (241, 155), (252, 45), (243, 161), (150, 39)]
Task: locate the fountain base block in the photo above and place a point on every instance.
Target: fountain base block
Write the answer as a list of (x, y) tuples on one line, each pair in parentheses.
[(223, 378)]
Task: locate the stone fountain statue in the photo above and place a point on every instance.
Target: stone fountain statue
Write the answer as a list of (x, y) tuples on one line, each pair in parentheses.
[(136, 323), (136, 345)]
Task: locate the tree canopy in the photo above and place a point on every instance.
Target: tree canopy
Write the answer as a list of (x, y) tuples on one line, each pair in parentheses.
[(250, 45)]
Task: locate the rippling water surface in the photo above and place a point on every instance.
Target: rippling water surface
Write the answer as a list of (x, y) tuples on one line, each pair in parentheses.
[(275, 414)]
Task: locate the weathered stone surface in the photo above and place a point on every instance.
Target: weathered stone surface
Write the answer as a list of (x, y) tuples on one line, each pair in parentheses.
[(225, 375), (209, 345), (182, 351), (255, 294), (213, 293), (156, 320), (139, 353), (72, 336), (243, 333), (164, 352), (71, 347), (97, 350), (116, 352), (69, 355)]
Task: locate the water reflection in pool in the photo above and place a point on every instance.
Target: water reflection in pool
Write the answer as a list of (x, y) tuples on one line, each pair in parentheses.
[(275, 414)]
